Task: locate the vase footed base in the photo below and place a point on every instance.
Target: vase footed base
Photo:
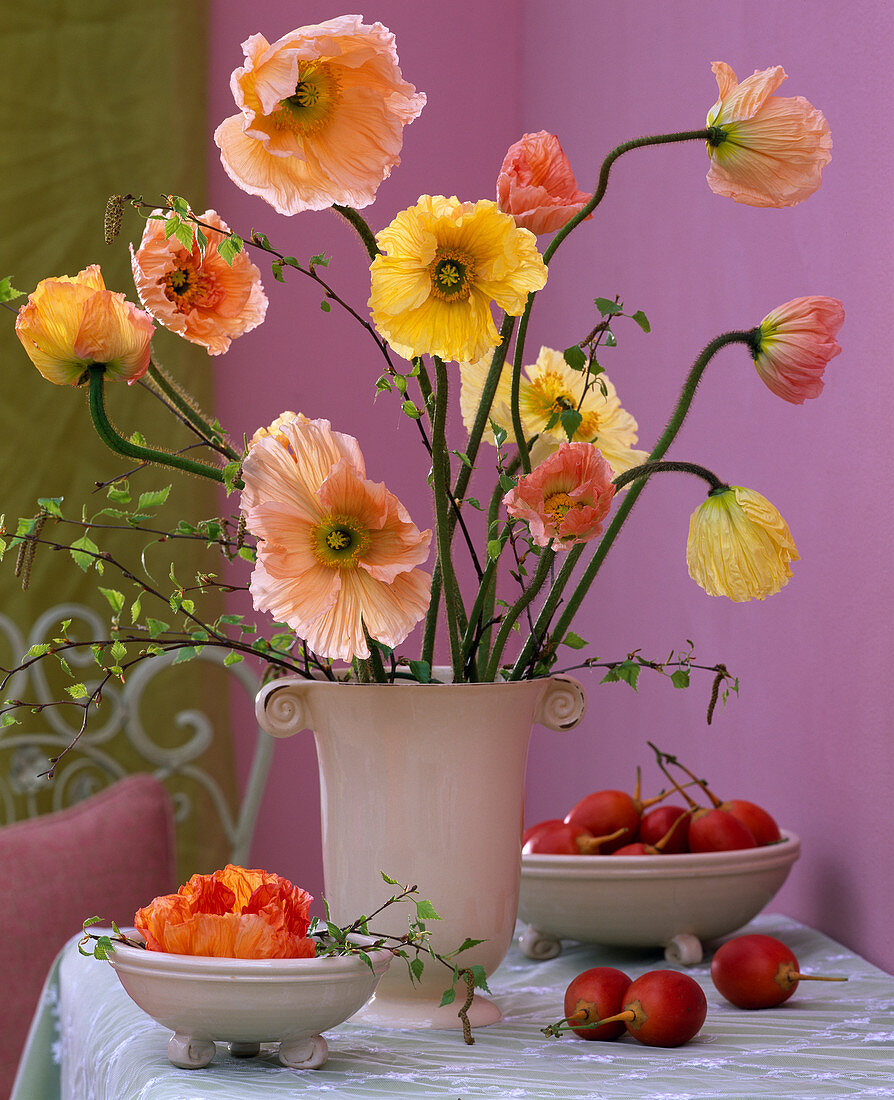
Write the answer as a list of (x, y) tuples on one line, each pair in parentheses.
[(416, 1012)]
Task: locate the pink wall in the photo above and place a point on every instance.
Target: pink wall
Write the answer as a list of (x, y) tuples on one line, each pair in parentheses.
[(807, 737)]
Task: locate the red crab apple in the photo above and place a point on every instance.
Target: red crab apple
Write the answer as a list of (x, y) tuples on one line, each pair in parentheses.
[(663, 1008), (563, 839), (533, 830), (656, 824), (593, 994), (718, 834), (758, 971)]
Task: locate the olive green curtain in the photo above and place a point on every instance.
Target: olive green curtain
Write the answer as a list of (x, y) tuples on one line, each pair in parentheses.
[(99, 98)]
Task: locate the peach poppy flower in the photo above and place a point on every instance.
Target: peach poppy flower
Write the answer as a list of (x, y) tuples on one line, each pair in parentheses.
[(337, 552), (233, 913), (739, 546), (566, 497), (443, 263), (795, 343), (536, 185), (203, 298), (322, 112), (274, 428), (774, 149), (70, 323)]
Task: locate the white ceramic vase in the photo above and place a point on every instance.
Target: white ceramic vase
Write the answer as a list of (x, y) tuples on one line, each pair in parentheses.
[(424, 782)]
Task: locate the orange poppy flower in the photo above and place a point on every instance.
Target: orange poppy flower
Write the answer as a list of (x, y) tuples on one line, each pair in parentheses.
[(70, 323), (233, 913), (537, 186), (201, 297)]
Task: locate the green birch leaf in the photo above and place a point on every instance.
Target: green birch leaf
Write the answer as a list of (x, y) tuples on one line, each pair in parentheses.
[(8, 292), (38, 650), (571, 421), (642, 320), (426, 911), (575, 357), (233, 659), (135, 608), (154, 498), (115, 599), (448, 997), (574, 641), (84, 560), (607, 307), (417, 966), (479, 977), (156, 627), (77, 691), (184, 234), (51, 505), (680, 678)]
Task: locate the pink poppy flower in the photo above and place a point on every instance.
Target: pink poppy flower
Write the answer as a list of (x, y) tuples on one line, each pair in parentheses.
[(70, 323), (337, 552), (234, 913), (536, 185), (203, 298), (566, 497), (795, 343), (322, 112), (774, 149)]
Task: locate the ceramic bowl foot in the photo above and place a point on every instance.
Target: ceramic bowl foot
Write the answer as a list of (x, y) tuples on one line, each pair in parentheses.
[(684, 950), (538, 945), (188, 1053), (245, 1050), (310, 1053)]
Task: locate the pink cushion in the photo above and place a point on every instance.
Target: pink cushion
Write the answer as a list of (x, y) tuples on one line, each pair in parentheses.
[(106, 856)]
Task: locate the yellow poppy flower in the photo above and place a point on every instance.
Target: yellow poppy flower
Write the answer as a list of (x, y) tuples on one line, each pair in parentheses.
[(443, 263), (739, 546), (546, 388)]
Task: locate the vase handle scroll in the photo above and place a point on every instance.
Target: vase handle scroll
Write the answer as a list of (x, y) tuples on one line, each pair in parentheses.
[(562, 704), (282, 708)]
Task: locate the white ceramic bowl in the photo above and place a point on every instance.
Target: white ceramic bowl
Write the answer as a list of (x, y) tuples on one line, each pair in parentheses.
[(669, 901), (246, 1002)]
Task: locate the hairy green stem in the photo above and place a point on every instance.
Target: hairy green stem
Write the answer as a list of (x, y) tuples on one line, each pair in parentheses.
[(105, 431), (648, 468), (462, 479), (711, 133), (440, 487), (674, 424), (547, 557), (188, 407), (363, 230)]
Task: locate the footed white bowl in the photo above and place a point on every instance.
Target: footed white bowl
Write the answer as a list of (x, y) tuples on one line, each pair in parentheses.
[(246, 1002), (669, 901)]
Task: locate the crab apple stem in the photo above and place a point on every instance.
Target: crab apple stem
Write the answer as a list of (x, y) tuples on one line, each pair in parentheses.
[(815, 977), (627, 1015), (590, 845)]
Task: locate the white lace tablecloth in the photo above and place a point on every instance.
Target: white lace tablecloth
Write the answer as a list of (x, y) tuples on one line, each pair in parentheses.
[(89, 1041)]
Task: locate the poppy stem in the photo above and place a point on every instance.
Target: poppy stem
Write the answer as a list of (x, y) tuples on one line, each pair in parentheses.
[(649, 468), (674, 424), (185, 404), (117, 443), (440, 485), (363, 230)]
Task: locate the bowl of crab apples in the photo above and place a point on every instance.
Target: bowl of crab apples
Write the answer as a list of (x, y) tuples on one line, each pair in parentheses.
[(672, 871)]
